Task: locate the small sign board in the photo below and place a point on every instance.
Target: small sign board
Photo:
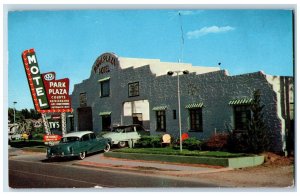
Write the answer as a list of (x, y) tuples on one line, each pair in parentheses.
[(51, 138), (57, 93)]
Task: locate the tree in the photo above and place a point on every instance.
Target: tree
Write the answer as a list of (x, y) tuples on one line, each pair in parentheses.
[(34, 114), (257, 136)]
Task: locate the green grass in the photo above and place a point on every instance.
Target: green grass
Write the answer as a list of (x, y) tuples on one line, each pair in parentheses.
[(171, 151)]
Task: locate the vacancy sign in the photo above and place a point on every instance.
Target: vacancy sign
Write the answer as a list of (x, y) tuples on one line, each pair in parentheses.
[(48, 94)]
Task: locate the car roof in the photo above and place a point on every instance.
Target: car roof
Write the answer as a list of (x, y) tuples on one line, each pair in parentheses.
[(77, 134), (122, 126)]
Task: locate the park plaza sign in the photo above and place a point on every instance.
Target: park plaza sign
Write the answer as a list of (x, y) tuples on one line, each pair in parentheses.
[(105, 63), (48, 94)]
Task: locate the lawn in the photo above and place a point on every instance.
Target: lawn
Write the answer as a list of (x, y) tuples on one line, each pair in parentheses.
[(171, 151)]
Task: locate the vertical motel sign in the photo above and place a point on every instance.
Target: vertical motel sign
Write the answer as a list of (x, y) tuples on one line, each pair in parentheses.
[(36, 85), (49, 95)]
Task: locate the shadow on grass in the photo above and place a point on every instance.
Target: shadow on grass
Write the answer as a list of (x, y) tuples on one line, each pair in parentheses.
[(26, 143)]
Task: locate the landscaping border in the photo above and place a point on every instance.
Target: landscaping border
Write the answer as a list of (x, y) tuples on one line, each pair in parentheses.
[(239, 162)]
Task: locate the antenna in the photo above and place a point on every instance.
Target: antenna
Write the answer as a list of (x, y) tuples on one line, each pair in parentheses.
[(182, 38)]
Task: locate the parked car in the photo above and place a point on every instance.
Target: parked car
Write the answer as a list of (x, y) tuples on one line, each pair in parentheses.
[(79, 144), (121, 135), (13, 136)]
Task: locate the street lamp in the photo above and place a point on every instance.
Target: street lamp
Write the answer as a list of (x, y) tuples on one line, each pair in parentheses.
[(15, 111), (170, 73)]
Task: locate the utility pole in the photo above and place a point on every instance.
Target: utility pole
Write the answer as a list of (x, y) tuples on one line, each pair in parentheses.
[(15, 111)]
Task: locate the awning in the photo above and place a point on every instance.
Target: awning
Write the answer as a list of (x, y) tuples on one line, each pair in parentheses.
[(241, 101), (194, 105), (104, 79), (159, 108), (104, 113)]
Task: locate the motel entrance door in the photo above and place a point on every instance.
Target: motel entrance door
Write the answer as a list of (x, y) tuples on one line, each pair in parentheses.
[(85, 119)]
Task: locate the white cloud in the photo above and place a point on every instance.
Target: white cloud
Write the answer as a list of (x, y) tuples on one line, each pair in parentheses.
[(206, 30)]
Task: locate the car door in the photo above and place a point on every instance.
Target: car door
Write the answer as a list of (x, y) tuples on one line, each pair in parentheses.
[(131, 133), (85, 145), (96, 144)]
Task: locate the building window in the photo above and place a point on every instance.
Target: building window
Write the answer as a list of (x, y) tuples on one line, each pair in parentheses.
[(105, 88), (82, 100), (242, 116), (196, 119), (161, 120), (133, 89), (174, 114), (106, 123)]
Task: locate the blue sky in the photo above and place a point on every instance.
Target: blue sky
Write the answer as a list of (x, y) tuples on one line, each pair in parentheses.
[(68, 42)]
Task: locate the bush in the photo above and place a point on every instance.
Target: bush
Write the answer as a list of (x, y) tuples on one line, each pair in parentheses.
[(237, 142), (217, 142), (38, 136), (149, 141), (192, 143)]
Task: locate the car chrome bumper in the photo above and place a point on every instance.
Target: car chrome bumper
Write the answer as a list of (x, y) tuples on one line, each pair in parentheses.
[(52, 155)]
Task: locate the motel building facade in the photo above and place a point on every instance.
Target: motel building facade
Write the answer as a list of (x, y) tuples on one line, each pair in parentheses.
[(123, 91)]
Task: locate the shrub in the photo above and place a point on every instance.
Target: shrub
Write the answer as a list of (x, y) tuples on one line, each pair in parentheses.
[(191, 143), (237, 142), (149, 141), (38, 136), (217, 142)]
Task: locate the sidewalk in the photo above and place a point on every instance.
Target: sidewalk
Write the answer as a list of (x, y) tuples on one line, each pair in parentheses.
[(149, 166)]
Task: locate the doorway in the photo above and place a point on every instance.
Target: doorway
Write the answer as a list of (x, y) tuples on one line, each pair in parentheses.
[(85, 119), (137, 118)]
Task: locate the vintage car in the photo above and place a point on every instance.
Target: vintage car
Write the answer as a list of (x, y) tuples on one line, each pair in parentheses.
[(79, 144), (123, 135)]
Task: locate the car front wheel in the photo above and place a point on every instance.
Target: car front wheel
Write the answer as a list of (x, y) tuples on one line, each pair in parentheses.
[(122, 144), (82, 155), (107, 147)]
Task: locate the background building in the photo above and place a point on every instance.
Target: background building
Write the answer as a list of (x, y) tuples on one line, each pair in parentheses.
[(124, 91)]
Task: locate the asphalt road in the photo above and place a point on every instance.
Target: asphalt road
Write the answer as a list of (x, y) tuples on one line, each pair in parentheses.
[(33, 171)]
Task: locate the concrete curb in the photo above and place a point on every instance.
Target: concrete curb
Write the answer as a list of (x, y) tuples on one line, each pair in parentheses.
[(239, 162), (152, 170)]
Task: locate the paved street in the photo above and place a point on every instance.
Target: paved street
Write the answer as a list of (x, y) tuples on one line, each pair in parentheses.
[(33, 171)]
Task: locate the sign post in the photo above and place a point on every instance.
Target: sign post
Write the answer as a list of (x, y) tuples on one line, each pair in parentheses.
[(63, 123)]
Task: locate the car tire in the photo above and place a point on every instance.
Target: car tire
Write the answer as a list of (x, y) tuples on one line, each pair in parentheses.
[(81, 155), (122, 144), (107, 147)]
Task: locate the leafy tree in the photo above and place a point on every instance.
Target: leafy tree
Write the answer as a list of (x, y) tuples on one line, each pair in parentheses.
[(34, 114), (11, 115), (25, 113)]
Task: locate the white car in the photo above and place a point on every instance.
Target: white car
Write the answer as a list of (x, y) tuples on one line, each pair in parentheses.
[(15, 136), (122, 135)]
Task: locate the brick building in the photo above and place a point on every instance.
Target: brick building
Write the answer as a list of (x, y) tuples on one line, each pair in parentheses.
[(124, 91)]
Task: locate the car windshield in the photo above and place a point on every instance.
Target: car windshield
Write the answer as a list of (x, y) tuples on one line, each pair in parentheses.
[(69, 139), (122, 129)]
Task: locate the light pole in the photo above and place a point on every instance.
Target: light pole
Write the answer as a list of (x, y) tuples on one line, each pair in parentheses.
[(15, 111), (170, 73)]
